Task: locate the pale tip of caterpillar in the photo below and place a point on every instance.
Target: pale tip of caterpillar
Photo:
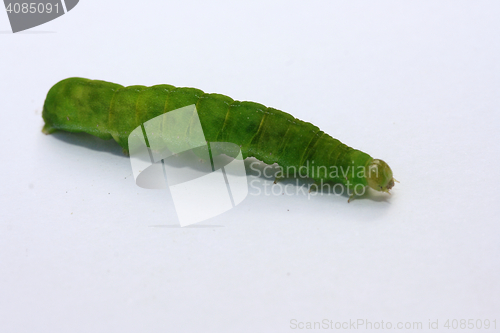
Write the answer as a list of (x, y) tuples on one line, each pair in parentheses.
[(47, 129)]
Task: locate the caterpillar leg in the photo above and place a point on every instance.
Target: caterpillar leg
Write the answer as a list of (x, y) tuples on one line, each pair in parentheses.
[(316, 186), (277, 179)]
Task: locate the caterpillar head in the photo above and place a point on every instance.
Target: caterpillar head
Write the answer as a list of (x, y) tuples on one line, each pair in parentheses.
[(380, 176)]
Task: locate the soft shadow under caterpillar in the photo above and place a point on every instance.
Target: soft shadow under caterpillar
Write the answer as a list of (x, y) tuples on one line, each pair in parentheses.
[(108, 110)]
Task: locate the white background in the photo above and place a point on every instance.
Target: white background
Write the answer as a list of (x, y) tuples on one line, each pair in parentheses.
[(416, 83)]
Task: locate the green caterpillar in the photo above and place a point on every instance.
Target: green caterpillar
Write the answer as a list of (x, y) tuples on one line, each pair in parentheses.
[(108, 110)]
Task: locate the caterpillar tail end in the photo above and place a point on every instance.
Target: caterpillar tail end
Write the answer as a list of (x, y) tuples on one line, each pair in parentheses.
[(47, 129)]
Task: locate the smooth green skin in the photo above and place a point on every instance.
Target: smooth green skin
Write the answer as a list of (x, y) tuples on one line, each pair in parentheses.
[(108, 110)]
